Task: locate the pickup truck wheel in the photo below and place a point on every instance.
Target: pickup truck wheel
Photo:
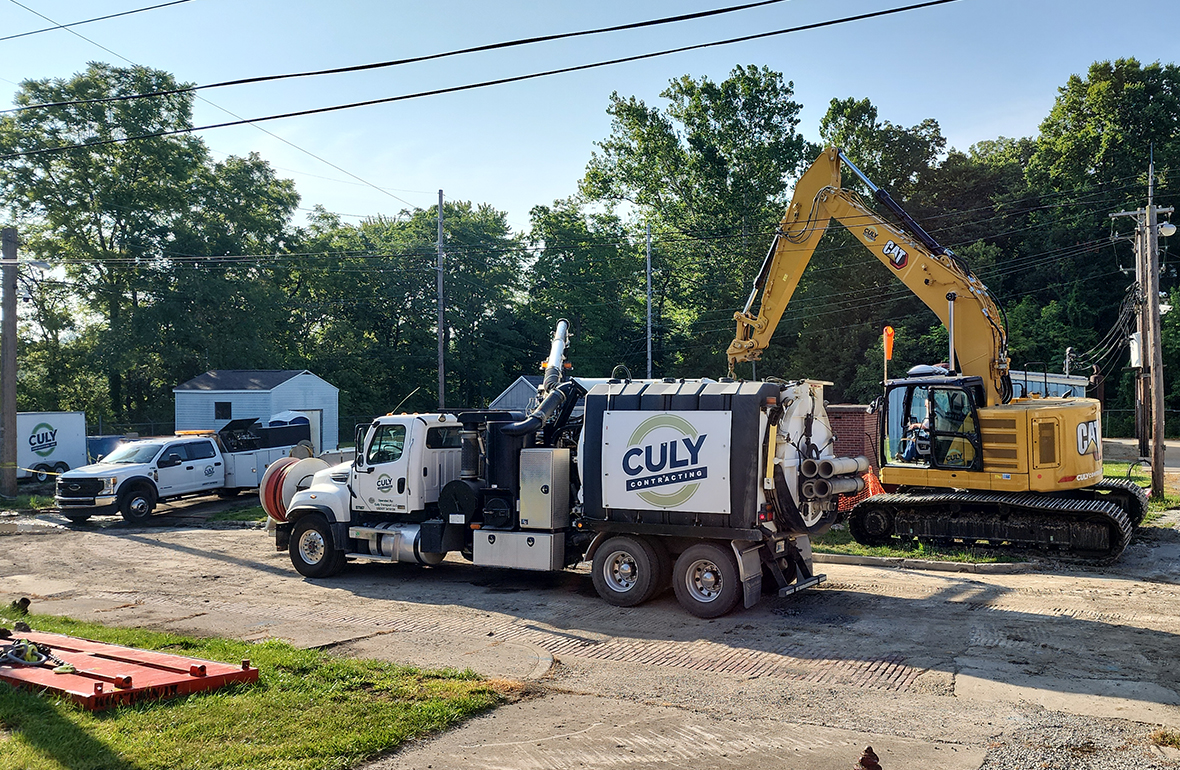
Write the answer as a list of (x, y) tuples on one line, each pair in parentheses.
[(41, 473), (137, 504), (706, 580), (624, 571), (228, 493), (313, 549)]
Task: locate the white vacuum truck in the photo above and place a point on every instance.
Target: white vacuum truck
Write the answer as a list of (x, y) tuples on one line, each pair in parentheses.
[(713, 486)]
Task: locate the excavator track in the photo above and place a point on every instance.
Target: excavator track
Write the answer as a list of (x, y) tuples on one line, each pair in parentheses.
[(1131, 497), (1095, 527)]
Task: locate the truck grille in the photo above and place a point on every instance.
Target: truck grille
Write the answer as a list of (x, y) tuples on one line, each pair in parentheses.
[(78, 487)]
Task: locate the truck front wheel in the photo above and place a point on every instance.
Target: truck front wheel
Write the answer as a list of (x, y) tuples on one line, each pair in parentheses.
[(137, 504), (706, 580), (625, 570), (313, 549)]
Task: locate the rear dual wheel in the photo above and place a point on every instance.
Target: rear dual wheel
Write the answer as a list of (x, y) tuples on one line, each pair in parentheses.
[(626, 570), (706, 580)]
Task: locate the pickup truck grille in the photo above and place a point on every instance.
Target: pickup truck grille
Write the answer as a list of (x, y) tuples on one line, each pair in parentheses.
[(78, 487)]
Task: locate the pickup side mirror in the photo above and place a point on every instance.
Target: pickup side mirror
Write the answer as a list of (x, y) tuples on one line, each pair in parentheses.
[(878, 402), (171, 461)]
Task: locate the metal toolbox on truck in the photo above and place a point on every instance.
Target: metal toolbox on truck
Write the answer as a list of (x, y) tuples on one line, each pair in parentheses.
[(544, 488), (522, 550)]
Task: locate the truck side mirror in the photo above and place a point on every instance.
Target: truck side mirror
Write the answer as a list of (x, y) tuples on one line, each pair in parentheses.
[(877, 402), (358, 442)]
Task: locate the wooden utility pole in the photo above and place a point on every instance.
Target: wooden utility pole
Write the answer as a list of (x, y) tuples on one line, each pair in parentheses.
[(1157, 360), (442, 372), (8, 366), (1149, 390)]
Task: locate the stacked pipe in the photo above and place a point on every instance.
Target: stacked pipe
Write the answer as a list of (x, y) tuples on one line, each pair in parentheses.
[(832, 476)]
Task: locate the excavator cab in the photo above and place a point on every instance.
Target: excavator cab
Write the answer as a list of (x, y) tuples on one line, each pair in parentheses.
[(932, 422)]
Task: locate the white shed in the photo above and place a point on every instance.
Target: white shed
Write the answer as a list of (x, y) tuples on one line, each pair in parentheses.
[(209, 401)]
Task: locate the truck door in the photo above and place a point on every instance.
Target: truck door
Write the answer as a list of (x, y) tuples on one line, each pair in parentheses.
[(171, 476), (383, 478), (205, 468)]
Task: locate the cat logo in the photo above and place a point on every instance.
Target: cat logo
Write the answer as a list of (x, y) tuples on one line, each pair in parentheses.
[(896, 255), (871, 234), (1090, 439)]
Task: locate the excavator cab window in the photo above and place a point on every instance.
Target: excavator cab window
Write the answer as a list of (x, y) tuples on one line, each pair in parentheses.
[(931, 426)]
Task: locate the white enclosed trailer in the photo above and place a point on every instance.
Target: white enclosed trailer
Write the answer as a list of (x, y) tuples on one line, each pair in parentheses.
[(49, 443)]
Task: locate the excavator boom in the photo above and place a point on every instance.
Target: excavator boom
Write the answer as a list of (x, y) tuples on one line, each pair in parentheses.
[(979, 341)]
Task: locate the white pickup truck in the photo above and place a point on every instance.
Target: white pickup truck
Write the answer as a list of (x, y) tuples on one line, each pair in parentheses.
[(141, 473)]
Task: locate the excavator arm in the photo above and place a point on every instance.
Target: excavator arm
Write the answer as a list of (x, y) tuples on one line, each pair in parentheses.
[(978, 339)]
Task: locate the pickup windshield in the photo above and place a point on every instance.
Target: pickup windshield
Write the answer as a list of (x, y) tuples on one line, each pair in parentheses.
[(133, 453)]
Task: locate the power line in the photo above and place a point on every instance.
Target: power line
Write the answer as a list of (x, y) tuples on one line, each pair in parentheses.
[(413, 59), (240, 122), (472, 86), (85, 21)]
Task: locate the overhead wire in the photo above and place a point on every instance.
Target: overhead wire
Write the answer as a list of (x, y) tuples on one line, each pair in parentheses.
[(240, 121), (85, 21), (472, 86)]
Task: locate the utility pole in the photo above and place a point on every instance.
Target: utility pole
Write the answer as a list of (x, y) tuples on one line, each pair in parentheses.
[(8, 366), (1157, 346), (442, 373), (649, 300), (1149, 390)]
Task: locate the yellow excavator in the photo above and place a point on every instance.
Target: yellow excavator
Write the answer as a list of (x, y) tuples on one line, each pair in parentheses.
[(960, 458)]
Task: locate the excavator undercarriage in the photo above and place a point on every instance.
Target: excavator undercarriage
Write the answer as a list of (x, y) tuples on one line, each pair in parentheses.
[(1094, 523)]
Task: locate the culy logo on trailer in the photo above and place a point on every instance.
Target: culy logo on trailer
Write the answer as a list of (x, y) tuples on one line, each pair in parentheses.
[(664, 453), (43, 439)]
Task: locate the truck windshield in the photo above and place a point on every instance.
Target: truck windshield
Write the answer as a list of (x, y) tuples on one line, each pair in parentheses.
[(133, 453)]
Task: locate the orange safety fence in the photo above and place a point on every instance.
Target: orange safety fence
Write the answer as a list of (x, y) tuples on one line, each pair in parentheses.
[(872, 487)]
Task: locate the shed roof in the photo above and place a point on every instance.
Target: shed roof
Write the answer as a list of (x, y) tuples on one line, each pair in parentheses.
[(241, 379)]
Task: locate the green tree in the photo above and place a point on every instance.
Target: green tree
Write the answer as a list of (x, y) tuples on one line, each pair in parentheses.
[(107, 208), (708, 172)]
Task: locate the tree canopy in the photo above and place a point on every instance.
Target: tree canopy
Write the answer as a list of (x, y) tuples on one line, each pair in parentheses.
[(171, 263)]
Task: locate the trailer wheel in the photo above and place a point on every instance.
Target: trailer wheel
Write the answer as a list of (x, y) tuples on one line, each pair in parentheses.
[(624, 571), (313, 550), (60, 468), (41, 473), (871, 526), (137, 504), (706, 580)]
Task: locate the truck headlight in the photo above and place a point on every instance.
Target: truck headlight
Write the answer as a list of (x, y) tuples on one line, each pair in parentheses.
[(108, 485)]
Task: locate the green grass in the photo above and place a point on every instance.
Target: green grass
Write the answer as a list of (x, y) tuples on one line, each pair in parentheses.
[(1141, 475), (309, 711), (27, 502), (254, 513), (838, 540), (1166, 737)]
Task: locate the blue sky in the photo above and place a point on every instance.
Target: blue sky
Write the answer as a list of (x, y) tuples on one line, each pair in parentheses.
[(981, 68)]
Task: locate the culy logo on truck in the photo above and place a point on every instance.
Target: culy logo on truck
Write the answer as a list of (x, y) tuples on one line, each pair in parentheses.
[(43, 439), (664, 459)]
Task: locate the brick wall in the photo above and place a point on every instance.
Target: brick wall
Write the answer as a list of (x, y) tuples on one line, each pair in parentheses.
[(855, 429)]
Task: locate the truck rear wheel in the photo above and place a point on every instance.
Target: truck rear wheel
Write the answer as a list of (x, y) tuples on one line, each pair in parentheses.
[(706, 580), (137, 504), (625, 571), (313, 549)]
